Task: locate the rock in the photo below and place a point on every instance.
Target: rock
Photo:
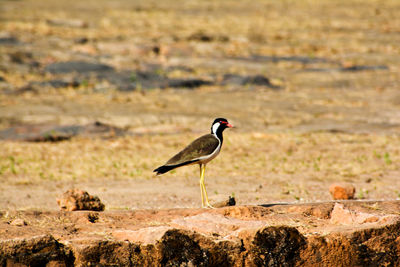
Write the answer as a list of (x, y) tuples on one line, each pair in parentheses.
[(200, 36), (35, 133), (123, 80), (277, 235), (344, 216), (18, 222), (277, 59), (8, 89), (24, 61), (353, 68), (187, 83), (131, 80), (34, 251), (322, 211), (180, 68), (24, 89), (230, 202), (57, 83), (73, 23), (7, 39), (342, 191), (93, 217), (257, 80), (61, 83), (77, 67), (276, 246), (75, 199), (99, 129), (179, 248), (127, 80), (363, 68), (365, 247), (148, 235), (20, 57), (51, 133), (124, 48), (226, 226), (81, 40), (95, 252), (234, 79)]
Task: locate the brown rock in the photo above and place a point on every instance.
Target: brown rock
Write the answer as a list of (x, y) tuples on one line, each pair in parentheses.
[(34, 251), (75, 199), (208, 223), (342, 191), (148, 235), (345, 216), (355, 233), (96, 252), (230, 202), (18, 222), (73, 23), (276, 246)]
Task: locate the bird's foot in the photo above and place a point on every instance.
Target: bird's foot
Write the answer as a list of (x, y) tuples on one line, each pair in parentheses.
[(208, 206)]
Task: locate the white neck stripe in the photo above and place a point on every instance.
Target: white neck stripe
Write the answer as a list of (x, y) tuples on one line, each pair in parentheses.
[(215, 128)]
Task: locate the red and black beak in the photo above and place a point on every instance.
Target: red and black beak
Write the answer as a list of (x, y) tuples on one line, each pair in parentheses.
[(227, 124)]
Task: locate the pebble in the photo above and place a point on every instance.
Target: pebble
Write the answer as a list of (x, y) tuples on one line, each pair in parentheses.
[(340, 191), (18, 222)]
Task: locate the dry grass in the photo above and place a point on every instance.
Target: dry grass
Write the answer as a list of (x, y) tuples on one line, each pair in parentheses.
[(295, 163), (328, 156)]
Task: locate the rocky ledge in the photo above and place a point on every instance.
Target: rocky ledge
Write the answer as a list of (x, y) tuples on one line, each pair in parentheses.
[(342, 233)]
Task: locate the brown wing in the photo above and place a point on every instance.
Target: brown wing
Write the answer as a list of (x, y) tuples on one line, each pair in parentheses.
[(200, 147)]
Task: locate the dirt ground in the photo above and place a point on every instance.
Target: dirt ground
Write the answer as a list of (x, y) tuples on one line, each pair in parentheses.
[(330, 113)]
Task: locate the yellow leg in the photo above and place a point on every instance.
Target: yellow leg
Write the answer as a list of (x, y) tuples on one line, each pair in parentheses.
[(203, 187)]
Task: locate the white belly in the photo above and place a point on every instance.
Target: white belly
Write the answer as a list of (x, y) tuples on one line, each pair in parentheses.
[(208, 158)]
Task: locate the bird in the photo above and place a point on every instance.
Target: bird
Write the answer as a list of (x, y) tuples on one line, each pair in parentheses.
[(201, 151)]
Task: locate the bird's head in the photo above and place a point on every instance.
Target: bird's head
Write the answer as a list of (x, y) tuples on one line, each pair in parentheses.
[(220, 124)]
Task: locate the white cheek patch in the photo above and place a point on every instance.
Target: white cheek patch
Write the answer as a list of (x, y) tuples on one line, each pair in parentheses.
[(215, 127)]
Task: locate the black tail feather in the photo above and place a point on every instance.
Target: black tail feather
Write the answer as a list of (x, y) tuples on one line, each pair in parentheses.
[(167, 168), (164, 169)]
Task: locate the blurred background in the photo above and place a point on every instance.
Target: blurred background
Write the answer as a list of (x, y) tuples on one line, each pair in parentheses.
[(96, 94)]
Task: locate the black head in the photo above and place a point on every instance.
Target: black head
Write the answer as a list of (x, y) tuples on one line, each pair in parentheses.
[(219, 125)]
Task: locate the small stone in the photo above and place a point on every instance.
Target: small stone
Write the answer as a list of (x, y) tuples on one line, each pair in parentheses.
[(18, 222), (77, 66), (342, 191), (93, 217), (7, 39), (81, 40), (230, 202), (75, 199), (73, 23)]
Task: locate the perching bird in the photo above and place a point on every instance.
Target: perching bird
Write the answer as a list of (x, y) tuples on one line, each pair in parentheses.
[(200, 151)]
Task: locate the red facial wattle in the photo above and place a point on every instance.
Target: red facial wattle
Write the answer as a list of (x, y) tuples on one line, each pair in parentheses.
[(227, 124)]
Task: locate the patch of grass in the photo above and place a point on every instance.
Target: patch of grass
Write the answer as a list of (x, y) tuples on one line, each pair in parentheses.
[(387, 159), (133, 77), (12, 165), (374, 206), (362, 194)]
